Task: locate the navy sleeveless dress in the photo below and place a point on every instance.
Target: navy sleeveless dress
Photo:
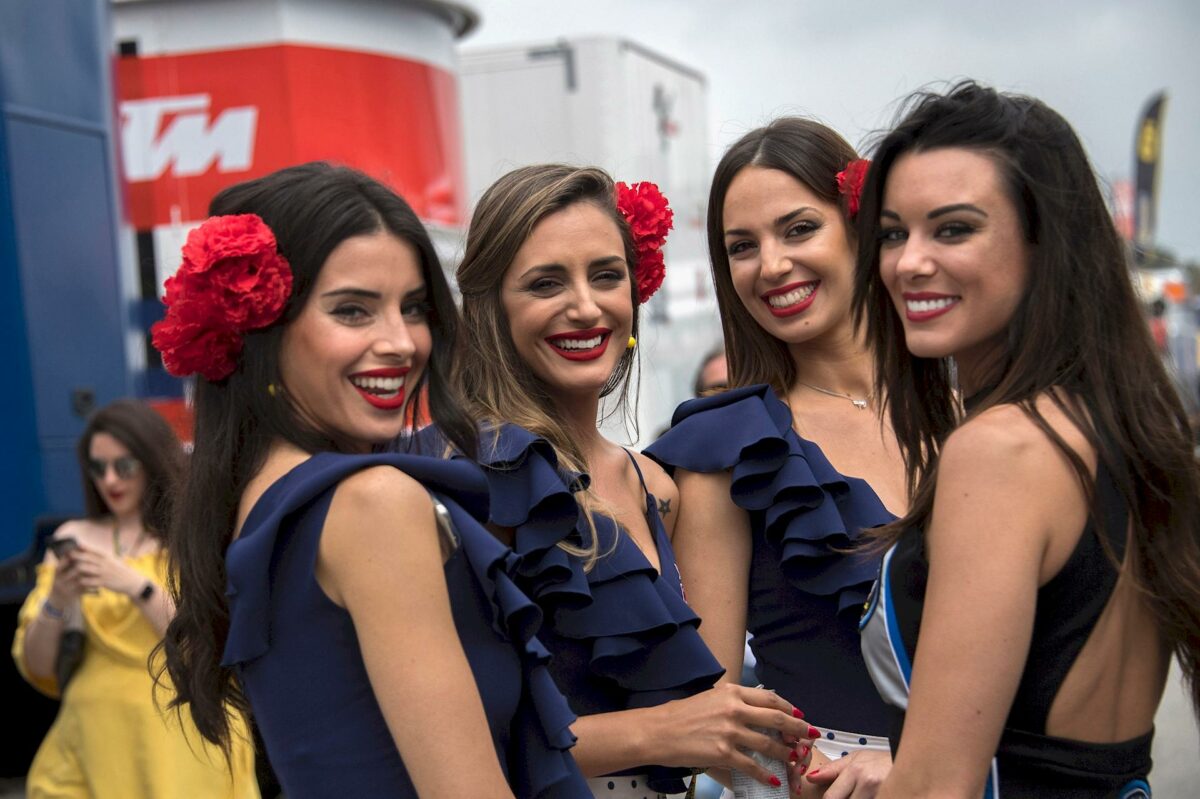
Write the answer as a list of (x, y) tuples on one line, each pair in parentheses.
[(297, 657), (806, 591), (621, 635), (1028, 762)]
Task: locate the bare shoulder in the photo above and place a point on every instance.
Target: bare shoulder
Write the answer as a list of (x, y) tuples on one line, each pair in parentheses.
[(91, 532), (378, 493), (79, 529), (658, 481), (1001, 468), (1005, 443), (379, 530)]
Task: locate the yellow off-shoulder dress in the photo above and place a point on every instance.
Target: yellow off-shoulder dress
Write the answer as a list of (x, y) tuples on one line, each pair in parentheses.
[(110, 740)]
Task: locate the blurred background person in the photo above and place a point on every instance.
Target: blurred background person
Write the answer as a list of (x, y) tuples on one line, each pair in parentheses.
[(111, 739), (713, 374)]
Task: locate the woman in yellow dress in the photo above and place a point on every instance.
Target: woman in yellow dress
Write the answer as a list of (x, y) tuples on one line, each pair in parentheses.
[(113, 736)]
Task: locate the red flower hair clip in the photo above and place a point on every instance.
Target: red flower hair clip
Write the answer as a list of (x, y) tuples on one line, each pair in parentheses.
[(649, 217), (232, 280), (850, 183)]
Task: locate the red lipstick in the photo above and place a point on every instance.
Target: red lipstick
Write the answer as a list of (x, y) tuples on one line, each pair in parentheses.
[(928, 313), (799, 307), (576, 354), (388, 403)]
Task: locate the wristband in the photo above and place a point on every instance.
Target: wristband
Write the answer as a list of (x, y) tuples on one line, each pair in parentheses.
[(52, 611)]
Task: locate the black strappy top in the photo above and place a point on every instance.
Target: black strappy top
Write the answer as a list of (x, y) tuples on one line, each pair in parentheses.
[(1028, 762)]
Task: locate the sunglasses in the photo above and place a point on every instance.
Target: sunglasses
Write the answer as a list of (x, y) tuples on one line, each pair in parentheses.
[(125, 466)]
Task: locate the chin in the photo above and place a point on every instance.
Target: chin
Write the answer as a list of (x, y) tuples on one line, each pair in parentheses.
[(927, 349)]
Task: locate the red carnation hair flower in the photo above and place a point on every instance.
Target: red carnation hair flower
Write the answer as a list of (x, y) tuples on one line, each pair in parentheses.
[(650, 218), (232, 280), (850, 183)]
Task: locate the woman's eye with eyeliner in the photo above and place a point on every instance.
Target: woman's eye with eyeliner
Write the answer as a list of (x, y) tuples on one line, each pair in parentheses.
[(803, 228), (349, 313), (609, 276), (416, 311), (952, 230), (739, 248), (543, 285), (892, 235)]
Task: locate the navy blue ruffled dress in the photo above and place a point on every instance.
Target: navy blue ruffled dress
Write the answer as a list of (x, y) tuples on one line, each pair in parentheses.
[(621, 634), (298, 660), (806, 592)]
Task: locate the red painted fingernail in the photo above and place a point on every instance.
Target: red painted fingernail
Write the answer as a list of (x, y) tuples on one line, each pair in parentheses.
[(813, 732), (797, 712), (804, 768), (814, 772), (804, 751), (794, 755), (775, 781)]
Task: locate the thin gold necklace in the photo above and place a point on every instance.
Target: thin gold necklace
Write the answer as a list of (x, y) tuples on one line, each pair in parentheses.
[(861, 404), (117, 540)]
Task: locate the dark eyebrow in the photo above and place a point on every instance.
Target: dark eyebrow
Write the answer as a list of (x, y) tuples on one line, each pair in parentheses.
[(779, 221), (890, 214), (949, 209), (351, 292), (544, 269), (415, 292), (558, 269)]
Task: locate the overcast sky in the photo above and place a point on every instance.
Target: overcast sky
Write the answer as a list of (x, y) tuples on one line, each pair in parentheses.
[(846, 62)]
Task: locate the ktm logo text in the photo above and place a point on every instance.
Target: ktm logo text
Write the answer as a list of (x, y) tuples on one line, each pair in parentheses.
[(175, 133)]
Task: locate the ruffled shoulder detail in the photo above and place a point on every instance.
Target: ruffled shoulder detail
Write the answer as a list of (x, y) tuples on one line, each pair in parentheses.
[(639, 632), (541, 731), (812, 512), (533, 496)]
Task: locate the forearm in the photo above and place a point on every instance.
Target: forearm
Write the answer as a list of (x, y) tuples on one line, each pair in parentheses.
[(159, 609), (615, 741), (42, 636)]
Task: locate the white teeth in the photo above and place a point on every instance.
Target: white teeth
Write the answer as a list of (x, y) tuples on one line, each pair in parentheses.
[(383, 386), (925, 306), (578, 343), (792, 297)]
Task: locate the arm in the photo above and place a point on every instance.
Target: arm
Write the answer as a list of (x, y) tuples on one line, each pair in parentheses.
[(999, 505), (665, 493), (712, 547), (101, 569), (701, 731), (388, 574), (40, 630)]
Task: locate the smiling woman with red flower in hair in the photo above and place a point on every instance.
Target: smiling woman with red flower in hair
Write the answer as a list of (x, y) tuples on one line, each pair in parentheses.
[(349, 598), (557, 263), (780, 475)]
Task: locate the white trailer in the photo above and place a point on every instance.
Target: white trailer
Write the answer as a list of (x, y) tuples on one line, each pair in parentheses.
[(615, 104)]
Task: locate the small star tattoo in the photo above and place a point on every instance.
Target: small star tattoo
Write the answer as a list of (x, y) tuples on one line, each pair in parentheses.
[(664, 507)]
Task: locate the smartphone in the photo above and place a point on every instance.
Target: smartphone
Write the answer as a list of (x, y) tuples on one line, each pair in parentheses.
[(61, 546)]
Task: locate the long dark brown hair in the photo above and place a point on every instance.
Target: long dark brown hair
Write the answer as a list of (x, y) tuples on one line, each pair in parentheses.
[(812, 154), (1077, 337), (497, 383), (311, 209), (148, 438)]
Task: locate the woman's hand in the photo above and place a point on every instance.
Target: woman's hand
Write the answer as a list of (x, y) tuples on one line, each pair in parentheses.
[(858, 775), (711, 730), (67, 586), (99, 569)]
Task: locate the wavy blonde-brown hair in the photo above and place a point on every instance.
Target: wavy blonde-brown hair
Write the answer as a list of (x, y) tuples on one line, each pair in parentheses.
[(496, 383)]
